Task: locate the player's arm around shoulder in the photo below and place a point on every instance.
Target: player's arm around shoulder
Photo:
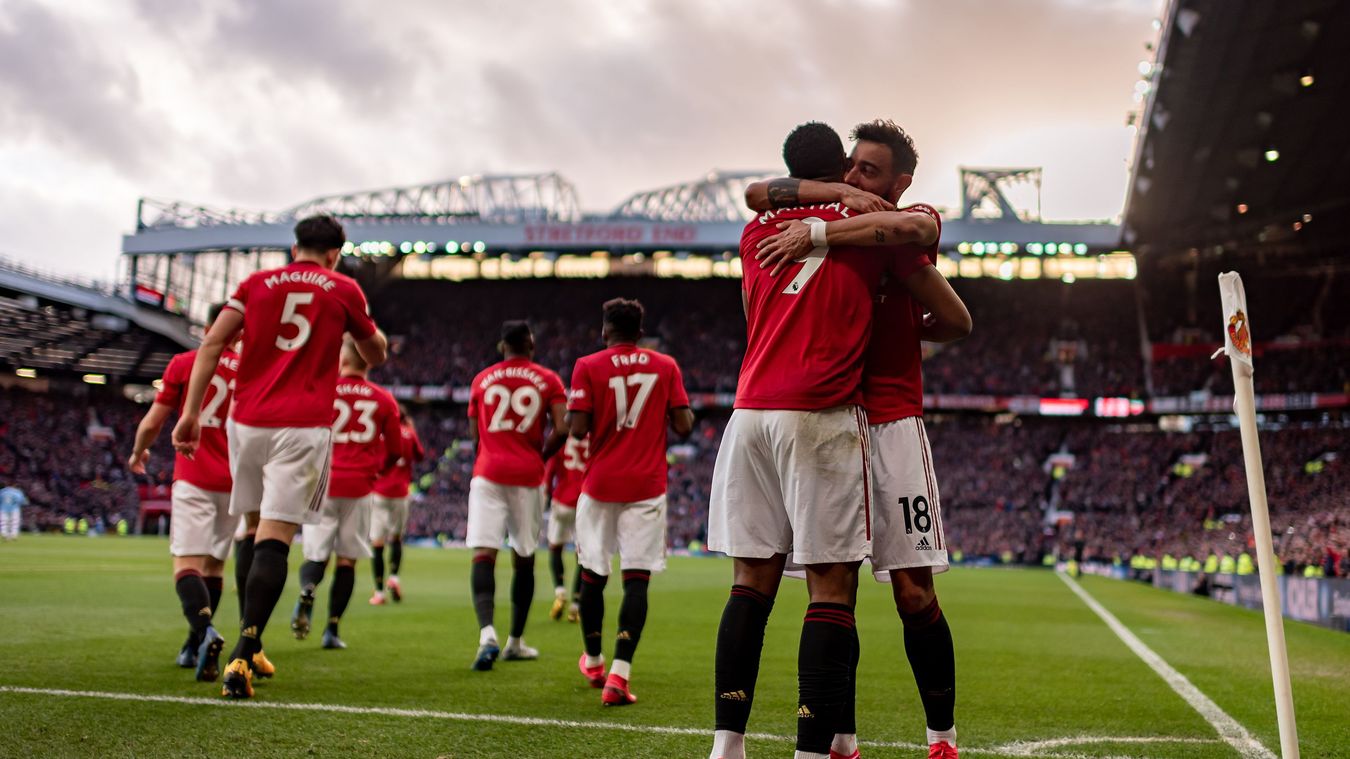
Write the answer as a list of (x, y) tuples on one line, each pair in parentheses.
[(947, 319), (785, 192)]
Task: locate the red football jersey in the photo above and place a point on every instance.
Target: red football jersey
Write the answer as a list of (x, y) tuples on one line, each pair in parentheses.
[(294, 318), (396, 480), (629, 393), (367, 437), (567, 470), (892, 374), (807, 327), (209, 467), (510, 401)]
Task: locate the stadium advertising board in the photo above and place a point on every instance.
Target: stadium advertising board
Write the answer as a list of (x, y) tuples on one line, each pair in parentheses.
[(1321, 601)]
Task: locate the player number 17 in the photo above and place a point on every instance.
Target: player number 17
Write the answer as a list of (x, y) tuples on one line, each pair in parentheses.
[(625, 415)]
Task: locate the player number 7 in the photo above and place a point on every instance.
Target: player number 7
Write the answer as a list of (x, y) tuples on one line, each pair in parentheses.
[(811, 263)]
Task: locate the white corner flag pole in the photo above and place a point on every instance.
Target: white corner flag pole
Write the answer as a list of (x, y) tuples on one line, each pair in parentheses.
[(1238, 346)]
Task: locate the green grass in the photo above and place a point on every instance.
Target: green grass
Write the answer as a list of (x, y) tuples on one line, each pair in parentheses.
[(1033, 664)]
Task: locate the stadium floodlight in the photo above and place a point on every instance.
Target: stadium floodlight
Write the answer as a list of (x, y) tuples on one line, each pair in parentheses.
[(26, 373), (977, 248), (963, 247), (431, 247), (405, 247), (1272, 155), (1238, 347), (1080, 249), (479, 247), (419, 247), (1145, 68), (1069, 278), (348, 247), (1065, 249), (452, 247), (95, 379), (1034, 248), (1306, 80)]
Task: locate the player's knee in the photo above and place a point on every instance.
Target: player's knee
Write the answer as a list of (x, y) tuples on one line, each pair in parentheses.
[(485, 554), (341, 562), (913, 591)]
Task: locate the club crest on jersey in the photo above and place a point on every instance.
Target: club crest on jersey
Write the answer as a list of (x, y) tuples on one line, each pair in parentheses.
[(1239, 334)]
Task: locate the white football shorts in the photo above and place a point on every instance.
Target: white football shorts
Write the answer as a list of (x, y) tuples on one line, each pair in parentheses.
[(501, 513), (281, 472), (635, 531), (343, 528), (907, 529), (793, 482), (562, 524), (388, 518), (201, 523)]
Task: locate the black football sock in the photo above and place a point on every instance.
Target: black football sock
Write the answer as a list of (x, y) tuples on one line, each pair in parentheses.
[(848, 716), (823, 661), (395, 555), (592, 605), (483, 583), (344, 580), (195, 600), (215, 587), (266, 581), (243, 562), (377, 565), (576, 583), (555, 564), (740, 640), (632, 612), (928, 644), (311, 576), (522, 594)]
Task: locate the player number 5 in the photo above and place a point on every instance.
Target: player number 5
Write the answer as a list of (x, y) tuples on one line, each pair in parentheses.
[(289, 315)]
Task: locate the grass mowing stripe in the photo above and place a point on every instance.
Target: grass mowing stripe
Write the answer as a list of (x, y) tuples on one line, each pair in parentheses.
[(1228, 728)]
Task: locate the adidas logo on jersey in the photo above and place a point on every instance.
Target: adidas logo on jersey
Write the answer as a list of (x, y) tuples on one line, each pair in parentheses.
[(735, 695), (923, 545)]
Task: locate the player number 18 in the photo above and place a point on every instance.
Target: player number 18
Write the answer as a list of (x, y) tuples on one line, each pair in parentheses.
[(921, 520)]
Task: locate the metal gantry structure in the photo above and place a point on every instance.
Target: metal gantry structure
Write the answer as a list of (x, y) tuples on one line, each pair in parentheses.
[(985, 193), (719, 196), (492, 198)]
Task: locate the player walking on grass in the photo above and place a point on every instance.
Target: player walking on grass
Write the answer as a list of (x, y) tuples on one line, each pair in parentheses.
[(202, 527), (509, 404), (622, 397), (792, 473), (565, 474), (909, 545), (280, 430), (367, 440), (12, 501), (389, 511)]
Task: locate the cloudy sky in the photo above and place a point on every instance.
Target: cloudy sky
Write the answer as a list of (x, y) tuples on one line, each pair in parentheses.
[(264, 103)]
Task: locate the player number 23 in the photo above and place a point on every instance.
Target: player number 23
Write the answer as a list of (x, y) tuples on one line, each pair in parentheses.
[(811, 264), (365, 416), (625, 414)]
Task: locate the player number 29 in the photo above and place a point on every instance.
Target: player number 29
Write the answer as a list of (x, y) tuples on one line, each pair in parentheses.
[(524, 401), (626, 414), (921, 520)]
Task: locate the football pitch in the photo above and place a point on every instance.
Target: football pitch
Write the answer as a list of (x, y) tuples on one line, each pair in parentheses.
[(89, 629)]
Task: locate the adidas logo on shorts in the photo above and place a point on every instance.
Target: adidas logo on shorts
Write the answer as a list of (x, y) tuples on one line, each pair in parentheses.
[(922, 545)]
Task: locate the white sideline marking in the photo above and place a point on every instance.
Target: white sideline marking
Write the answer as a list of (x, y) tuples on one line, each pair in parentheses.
[(1016, 748), (1232, 733)]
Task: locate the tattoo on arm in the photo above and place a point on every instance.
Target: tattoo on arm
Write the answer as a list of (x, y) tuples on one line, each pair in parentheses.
[(881, 236), (783, 193)]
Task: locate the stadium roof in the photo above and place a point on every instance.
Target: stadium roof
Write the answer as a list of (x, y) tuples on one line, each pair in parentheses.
[(1244, 139), (80, 327)]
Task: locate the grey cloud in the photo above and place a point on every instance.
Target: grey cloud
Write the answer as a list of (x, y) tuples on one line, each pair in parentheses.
[(57, 84)]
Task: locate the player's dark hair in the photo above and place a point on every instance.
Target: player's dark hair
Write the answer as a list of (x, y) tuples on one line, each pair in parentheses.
[(624, 317), (213, 313), (516, 335), (320, 233), (904, 158), (814, 151)]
